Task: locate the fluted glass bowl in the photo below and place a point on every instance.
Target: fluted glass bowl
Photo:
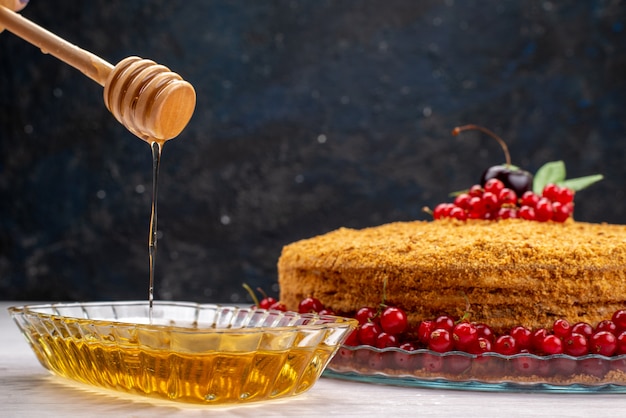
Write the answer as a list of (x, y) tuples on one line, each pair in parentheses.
[(206, 354), (522, 372)]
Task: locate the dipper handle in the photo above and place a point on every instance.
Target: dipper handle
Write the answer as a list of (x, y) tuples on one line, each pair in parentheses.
[(15, 5)]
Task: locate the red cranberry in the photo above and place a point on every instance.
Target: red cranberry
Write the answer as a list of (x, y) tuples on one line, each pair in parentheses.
[(266, 302), (528, 213), (480, 346), (603, 343), (551, 192), (561, 328), (543, 210), (393, 320), (565, 195), (444, 322), (385, 340), (365, 315), (464, 335), (493, 185), (476, 191), (310, 305), (606, 325), (506, 345), (507, 197), (278, 306), (552, 344), (583, 328), (529, 199), (522, 337), (619, 319), (462, 200), (368, 333), (485, 331), (440, 341), (353, 339), (536, 340), (424, 330), (442, 210), (575, 345)]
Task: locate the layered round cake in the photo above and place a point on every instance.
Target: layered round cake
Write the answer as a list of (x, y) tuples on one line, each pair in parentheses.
[(505, 273)]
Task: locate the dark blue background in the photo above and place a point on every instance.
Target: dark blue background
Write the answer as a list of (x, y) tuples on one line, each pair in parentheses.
[(311, 115)]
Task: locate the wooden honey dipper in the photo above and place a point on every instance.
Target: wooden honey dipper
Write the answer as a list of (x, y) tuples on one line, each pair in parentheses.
[(147, 98)]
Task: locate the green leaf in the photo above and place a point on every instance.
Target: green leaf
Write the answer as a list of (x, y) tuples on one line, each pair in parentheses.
[(552, 172), (580, 183)]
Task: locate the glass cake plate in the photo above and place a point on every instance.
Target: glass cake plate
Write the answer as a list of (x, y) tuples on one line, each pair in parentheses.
[(486, 372), (203, 354)]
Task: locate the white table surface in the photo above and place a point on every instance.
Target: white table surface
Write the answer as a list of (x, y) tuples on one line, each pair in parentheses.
[(28, 390)]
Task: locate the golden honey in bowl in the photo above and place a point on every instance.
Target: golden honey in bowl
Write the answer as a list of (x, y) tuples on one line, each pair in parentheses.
[(242, 355)]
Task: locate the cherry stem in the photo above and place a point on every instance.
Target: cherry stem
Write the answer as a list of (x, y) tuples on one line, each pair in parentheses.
[(252, 294), (460, 129), (262, 292)]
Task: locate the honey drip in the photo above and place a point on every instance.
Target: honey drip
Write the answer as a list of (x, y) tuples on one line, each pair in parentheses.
[(157, 148)]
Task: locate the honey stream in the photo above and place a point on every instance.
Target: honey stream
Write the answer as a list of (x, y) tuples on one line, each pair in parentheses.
[(157, 149)]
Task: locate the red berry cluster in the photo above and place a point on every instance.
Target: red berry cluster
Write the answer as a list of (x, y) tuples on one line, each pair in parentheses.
[(269, 302), (381, 327), (607, 338), (495, 201), (388, 326)]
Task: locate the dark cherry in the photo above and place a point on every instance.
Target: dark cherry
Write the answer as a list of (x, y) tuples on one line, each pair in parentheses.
[(520, 181)]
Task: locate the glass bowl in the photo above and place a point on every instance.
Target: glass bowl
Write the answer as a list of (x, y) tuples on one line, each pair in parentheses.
[(487, 372), (206, 354)]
